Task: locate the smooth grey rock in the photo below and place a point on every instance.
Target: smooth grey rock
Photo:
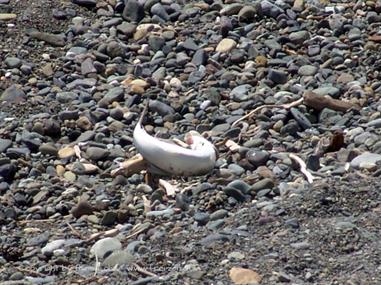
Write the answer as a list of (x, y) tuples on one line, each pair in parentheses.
[(269, 9), (13, 94), (240, 93), (158, 10), (265, 183), (133, 11), (13, 62), (257, 157), (365, 159), (299, 37), (97, 153), (4, 145), (307, 70)]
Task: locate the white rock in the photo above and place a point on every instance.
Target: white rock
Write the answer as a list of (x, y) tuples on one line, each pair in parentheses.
[(52, 246)]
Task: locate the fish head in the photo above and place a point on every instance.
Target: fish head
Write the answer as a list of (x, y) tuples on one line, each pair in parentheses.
[(197, 142)]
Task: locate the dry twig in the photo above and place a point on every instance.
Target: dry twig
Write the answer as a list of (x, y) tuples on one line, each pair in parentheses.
[(284, 106)]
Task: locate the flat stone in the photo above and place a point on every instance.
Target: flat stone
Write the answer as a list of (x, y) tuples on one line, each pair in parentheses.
[(66, 152), (299, 37), (269, 9), (247, 13), (4, 145), (126, 28), (365, 160), (231, 9), (48, 148), (307, 70), (226, 45), (13, 94), (52, 39), (262, 184), (240, 275), (13, 62), (302, 120), (118, 257), (277, 76), (97, 153), (240, 93)]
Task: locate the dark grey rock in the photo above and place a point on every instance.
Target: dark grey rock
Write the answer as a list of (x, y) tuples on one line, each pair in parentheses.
[(265, 183), (201, 218), (225, 26), (109, 218), (8, 171), (189, 44), (133, 11), (302, 120), (278, 76), (114, 49), (85, 3), (161, 108), (156, 42), (13, 62), (257, 157), (96, 153), (158, 10), (299, 37), (236, 193), (87, 67), (86, 136), (269, 9), (126, 28), (231, 9), (219, 214), (307, 70), (199, 57)]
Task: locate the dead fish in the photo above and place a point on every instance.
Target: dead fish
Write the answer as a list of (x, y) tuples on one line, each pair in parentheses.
[(168, 158)]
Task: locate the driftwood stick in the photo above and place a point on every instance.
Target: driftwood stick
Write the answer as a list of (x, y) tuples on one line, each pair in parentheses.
[(284, 106), (319, 102), (303, 167), (143, 271)]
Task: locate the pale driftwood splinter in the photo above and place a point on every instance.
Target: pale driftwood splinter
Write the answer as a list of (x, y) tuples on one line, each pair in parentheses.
[(303, 167), (169, 188), (131, 166)]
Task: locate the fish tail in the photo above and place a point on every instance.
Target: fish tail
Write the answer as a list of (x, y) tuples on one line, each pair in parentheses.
[(145, 111)]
